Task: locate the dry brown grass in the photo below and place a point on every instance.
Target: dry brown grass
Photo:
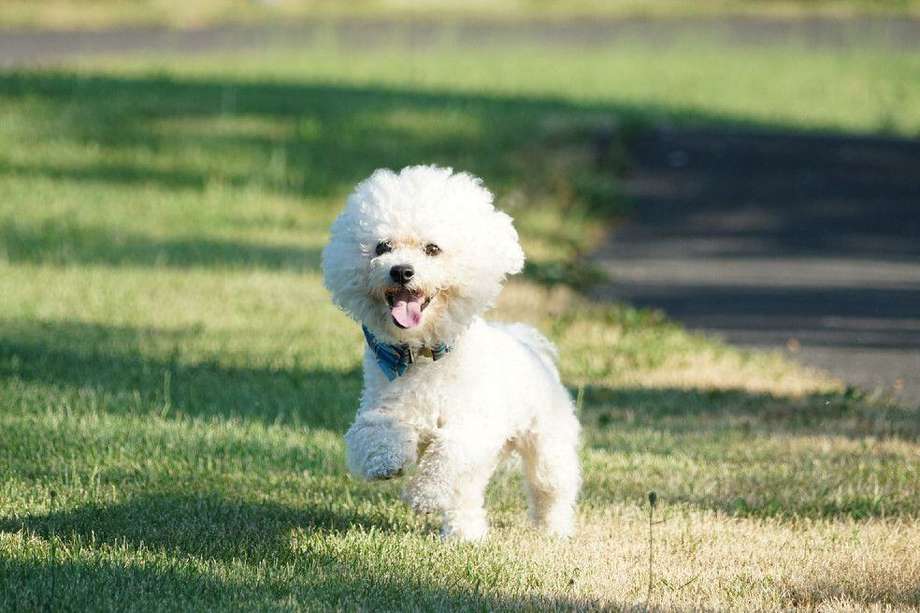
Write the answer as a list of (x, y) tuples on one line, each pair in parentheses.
[(705, 560)]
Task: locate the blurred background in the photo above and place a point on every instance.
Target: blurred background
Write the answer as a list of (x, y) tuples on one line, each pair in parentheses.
[(720, 203)]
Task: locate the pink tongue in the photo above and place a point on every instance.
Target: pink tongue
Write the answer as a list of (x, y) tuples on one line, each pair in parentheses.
[(407, 314)]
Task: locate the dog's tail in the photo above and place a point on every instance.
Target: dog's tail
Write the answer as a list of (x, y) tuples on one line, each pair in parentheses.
[(541, 346)]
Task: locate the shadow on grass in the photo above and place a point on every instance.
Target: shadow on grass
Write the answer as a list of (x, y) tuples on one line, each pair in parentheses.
[(311, 139), (324, 582), (204, 526), (99, 584), (108, 173), (690, 411), (109, 361), (304, 139), (178, 527), (267, 536), (62, 243)]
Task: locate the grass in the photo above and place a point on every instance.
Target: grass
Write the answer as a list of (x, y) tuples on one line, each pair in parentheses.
[(569, 91), (68, 14), (174, 381)]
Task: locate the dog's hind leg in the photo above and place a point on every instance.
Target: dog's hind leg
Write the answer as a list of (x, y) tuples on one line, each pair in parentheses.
[(550, 457)]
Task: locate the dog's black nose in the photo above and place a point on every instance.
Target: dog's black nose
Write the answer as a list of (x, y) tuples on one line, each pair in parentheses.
[(402, 273)]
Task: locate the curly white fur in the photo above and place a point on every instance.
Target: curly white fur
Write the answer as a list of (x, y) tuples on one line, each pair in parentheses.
[(497, 390)]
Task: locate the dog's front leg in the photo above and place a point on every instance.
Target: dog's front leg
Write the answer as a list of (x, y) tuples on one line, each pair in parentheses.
[(451, 479), (379, 445)]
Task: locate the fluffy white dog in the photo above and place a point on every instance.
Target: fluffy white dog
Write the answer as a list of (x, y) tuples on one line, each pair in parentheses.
[(416, 258)]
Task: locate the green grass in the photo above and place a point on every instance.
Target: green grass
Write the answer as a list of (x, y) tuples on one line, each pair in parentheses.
[(624, 85), (107, 13), (174, 382)]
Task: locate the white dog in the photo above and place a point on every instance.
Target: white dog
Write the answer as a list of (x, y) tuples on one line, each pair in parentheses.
[(416, 258)]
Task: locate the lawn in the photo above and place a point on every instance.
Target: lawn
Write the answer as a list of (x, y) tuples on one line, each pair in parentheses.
[(175, 383)]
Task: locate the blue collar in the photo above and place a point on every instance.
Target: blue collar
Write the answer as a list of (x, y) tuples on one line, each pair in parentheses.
[(394, 360)]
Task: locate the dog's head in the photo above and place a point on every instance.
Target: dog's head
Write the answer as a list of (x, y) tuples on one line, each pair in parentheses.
[(416, 255)]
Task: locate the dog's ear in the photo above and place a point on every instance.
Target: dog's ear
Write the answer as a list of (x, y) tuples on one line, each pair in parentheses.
[(508, 254)]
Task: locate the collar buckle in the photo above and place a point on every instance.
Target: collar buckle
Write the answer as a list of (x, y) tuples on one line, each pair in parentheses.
[(394, 360)]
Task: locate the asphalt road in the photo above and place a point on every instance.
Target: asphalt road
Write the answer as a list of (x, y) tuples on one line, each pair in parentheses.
[(29, 47), (808, 244)]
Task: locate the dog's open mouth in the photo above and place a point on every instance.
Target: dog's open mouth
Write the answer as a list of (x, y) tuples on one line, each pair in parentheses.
[(406, 306)]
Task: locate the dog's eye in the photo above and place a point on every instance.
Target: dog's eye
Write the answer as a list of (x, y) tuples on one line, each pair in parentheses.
[(432, 249), (384, 247)]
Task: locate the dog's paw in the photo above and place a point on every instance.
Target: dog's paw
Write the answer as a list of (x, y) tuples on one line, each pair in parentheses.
[(383, 473), (381, 467)]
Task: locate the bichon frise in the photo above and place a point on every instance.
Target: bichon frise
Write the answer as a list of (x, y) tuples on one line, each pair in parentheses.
[(416, 258)]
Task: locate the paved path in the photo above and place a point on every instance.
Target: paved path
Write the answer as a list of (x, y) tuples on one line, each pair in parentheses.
[(806, 243), (25, 47)]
